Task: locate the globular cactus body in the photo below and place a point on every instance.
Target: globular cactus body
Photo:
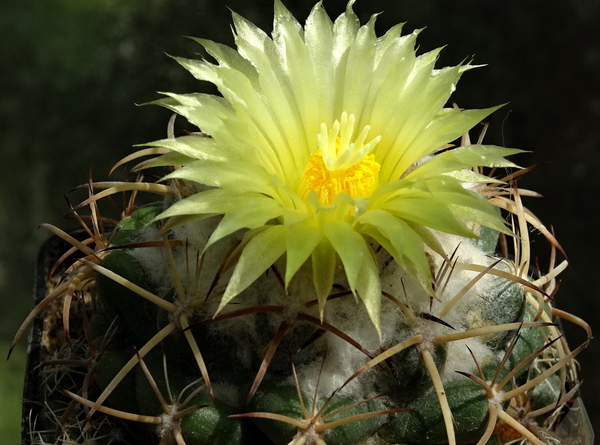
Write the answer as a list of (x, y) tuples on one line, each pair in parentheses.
[(302, 363)]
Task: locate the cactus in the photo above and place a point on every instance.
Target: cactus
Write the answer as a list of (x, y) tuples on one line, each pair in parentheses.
[(333, 262)]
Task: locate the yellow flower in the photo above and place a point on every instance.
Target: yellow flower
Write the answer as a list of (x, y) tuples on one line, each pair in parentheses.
[(325, 141)]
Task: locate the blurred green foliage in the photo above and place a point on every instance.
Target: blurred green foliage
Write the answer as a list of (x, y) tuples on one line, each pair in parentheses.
[(71, 72), (11, 382)]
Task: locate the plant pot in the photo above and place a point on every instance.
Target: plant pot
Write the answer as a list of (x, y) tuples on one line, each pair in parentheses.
[(45, 329)]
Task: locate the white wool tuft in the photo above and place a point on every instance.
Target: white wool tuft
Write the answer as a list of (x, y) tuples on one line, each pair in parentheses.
[(460, 359), (152, 261), (229, 394)]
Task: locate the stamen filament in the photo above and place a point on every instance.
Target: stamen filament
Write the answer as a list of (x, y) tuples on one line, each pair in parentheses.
[(340, 165)]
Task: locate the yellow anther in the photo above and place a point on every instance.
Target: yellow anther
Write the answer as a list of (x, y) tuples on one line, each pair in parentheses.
[(359, 180)]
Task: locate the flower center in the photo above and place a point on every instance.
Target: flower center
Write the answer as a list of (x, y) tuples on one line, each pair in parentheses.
[(341, 165)]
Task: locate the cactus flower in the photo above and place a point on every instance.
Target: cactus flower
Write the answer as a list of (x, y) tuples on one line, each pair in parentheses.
[(328, 139)]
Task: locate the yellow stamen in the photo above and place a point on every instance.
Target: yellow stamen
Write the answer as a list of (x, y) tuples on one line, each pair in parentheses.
[(359, 180)]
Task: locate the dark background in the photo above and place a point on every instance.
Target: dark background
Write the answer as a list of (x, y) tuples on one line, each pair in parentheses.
[(71, 72)]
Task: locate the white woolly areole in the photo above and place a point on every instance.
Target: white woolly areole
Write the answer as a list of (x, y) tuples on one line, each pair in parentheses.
[(167, 422), (152, 260)]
